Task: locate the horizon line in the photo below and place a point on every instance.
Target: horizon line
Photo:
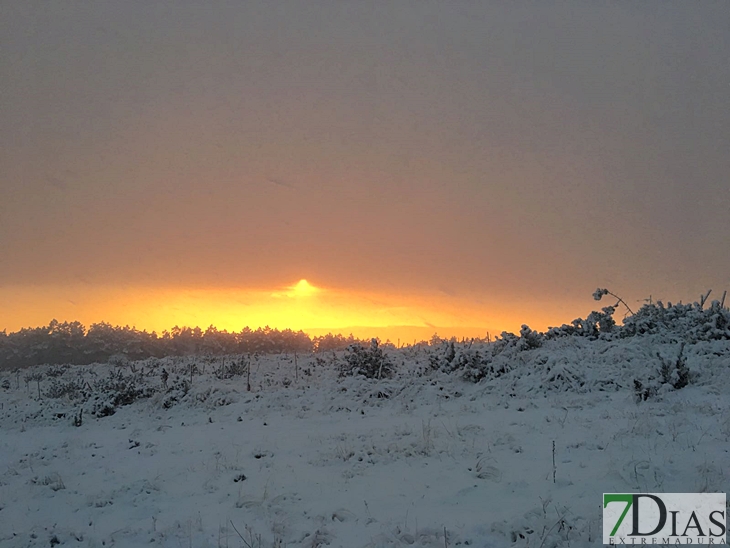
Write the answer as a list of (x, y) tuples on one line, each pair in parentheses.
[(315, 331)]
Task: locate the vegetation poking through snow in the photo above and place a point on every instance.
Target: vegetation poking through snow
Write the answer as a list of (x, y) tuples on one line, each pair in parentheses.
[(370, 362), (234, 367)]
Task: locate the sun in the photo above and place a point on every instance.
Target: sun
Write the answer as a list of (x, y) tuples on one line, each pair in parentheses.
[(303, 289), (300, 290)]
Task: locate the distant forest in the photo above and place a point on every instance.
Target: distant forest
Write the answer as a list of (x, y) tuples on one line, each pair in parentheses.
[(71, 342)]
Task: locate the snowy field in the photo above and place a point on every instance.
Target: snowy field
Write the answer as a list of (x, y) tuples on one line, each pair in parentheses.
[(308, 458)]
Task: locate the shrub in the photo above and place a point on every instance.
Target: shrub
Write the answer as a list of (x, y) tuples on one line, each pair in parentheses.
[(234, 368), (117, 390), (675, 373), (476, 366), (473, 362), (56, 370), (177, 391), (690, 322), (370, 362), (596, 324), (441, 356), (72, 389), (529, 339), (643, 392), (78, 418)]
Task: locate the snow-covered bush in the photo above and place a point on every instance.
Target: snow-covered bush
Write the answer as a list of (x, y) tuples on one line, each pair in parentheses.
[(689, 322), (116, 390), (235, 367), (596, 324), (56, 370), (71, 389), (526, 340), (474, 362), (370, 362), (680, 322), (176, 392), (441, 356), (123, 389), (675, 372), (529, 338), (672, 374), (643, 392), (477, 365)]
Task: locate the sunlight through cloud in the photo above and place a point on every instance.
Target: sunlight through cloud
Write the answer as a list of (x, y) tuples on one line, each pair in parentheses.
[(300, 289)]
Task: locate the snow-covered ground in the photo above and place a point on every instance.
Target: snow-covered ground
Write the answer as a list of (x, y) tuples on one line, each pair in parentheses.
[(309, 459)]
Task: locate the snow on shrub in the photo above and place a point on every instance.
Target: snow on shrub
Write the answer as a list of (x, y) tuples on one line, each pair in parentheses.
[(176, 392), (116, 390), (475, 362), (72, 389), (596, 324), (234, 367), (103, 395), (689, 322), (370, 362)]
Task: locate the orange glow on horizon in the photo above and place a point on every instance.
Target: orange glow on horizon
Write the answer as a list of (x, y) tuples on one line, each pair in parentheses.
[(300, 306)]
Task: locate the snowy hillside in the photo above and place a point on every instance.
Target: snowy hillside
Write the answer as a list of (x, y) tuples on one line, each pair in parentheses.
[(455, 448)]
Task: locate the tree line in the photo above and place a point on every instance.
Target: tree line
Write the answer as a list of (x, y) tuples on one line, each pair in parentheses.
[(72, 343)]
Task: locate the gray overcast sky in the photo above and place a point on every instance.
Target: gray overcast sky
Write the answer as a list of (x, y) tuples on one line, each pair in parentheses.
[(460, 147)]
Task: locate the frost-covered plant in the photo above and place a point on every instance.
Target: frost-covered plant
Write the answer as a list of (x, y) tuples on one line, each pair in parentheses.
[(234, 368), (504, 341), (118, 389), (102, 408), (176, 392), (526, 340), (599, 293), (72, 389), (604, 319), (688, 322), (672, 372), (596, 324), (642, 391), (370, 362), (675, 373), (56, 370), (36, 376), (441, 356), (474, 363), (477, 365), (529, 338)]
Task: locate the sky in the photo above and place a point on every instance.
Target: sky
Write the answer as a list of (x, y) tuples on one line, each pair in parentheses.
[(455, 167)]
